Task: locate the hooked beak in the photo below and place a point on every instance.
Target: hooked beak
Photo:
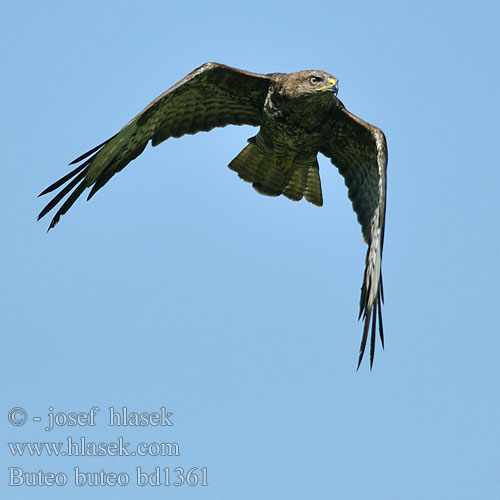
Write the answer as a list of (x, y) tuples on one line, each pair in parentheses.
[(333, 86)]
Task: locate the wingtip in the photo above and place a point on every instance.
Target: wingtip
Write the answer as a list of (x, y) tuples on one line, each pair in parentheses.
[(359, 360), (53, 224), (380, 324), (364, 338), (373, 336), (45, 191)]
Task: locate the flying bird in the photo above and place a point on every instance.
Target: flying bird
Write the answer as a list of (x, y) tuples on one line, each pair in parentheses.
[(299, 116)]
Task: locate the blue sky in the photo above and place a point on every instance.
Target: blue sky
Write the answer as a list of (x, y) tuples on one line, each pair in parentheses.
[(178, 286)]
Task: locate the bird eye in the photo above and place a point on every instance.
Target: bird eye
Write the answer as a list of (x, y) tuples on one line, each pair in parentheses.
[(314, 80)]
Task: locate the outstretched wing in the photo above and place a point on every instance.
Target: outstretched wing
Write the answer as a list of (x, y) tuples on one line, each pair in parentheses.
[(359, 151), (213, 95)]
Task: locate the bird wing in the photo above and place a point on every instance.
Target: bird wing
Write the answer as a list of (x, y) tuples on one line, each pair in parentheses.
[(359, 151), (213, 95)]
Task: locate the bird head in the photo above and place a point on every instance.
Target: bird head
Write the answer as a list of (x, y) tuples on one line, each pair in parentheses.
[(311, 82)]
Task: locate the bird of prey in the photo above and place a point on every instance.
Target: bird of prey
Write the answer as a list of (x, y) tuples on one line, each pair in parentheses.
[(299, 116)]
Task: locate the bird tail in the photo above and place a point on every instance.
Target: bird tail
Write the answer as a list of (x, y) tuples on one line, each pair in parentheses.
[(294, 178)]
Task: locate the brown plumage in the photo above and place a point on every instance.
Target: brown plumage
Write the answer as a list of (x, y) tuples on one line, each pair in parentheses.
[(298, 114)]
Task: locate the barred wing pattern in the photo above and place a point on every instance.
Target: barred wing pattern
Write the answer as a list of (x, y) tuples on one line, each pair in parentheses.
[(359, 151), (213, 95)]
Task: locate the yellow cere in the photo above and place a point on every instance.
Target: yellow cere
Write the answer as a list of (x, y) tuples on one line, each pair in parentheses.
[(331, 82)]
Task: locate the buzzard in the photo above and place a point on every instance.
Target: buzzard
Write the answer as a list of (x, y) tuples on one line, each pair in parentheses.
[(299, 116)]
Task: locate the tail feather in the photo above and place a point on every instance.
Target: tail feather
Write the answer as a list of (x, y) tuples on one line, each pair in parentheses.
[(312, 191), (247, 170), (293, 178), (295, 187), (246, 164), (263, 166), (273, 182)]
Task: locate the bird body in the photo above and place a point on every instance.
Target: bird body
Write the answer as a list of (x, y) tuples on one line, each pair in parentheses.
[(299, 116)]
